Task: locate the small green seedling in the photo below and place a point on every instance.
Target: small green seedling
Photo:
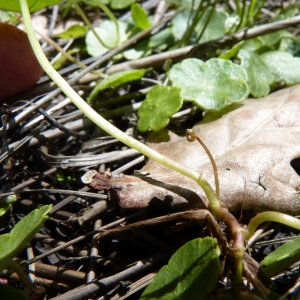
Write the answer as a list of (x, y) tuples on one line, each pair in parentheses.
[(160, 104)]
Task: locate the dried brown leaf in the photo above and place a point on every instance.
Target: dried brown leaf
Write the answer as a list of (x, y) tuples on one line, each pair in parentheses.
[(253, 146)]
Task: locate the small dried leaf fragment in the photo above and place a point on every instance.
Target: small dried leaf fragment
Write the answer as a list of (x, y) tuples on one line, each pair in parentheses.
[(253, 146)]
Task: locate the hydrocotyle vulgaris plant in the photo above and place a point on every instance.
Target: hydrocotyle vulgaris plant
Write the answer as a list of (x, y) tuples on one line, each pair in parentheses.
[(238, 233)]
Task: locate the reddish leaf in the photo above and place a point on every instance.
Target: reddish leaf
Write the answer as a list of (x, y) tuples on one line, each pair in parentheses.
[(19, 68)]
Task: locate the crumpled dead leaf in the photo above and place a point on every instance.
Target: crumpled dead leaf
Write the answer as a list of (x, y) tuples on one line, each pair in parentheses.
[(253, 146)]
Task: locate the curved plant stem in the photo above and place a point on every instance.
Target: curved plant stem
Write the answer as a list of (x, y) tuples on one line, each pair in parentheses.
[(90, 26), (210, 13), (60, 49), (191, 136), (97, 119), (272, 216), (111, 16), (242, 16)]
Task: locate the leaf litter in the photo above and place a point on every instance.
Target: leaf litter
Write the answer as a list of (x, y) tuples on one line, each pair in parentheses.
[(63, 229), (253, 146)]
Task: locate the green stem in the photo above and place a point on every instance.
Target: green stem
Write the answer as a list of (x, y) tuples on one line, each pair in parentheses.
[(242, 16), (210, 13), (237, 248), (272, 216), (97, 119), (191, 27), (111, 16), (89, 25)]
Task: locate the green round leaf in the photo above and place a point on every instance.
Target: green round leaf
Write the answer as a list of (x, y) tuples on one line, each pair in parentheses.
[(108, 33), (140, 17), (180, 24), (160, 104), (14, 5), (284, 67), (216, 25), (210, 85), (259, 76), (192, 273)]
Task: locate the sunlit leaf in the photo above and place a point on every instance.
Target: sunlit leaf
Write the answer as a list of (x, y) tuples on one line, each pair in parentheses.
[(120, 4), (6, 16), (259, 76), (187, 3), (271, 39), (160, 104), (254, 44), (282, 258), (140, 17), (180, 24), (107, 31), (266, 42), (14, 5), (11, 244), (96, 2), (284, 67), (62, 60), (72, 32), (232, 52), (115, 80), (6, 202), (162, 39), (286, 43), (139, 50), (215, 27), (192, 273), (210, 85)]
